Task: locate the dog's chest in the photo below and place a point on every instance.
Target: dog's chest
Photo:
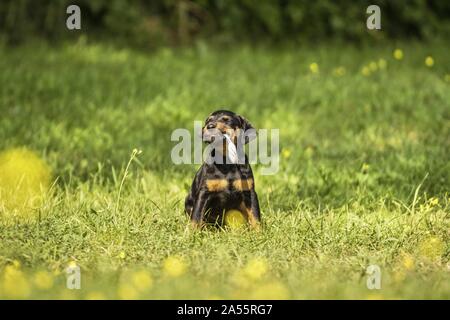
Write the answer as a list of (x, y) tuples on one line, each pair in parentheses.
[(229, 182)]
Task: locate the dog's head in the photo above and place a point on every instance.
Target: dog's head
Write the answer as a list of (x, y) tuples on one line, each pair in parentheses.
[(222, 122)]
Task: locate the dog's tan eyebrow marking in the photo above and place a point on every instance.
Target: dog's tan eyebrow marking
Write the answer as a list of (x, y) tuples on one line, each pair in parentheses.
[(216, 185), (243, 184)]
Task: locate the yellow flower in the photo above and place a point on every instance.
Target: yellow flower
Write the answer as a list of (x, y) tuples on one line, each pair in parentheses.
[(174, 267), (429, 61), (95, 295), (16, 264), (14, 284), (141, 280), (398, 54), (339, 71), (408, 262), (122, 255), (270, 291), (255, 269), (374, 296), (373, 66), (447, 77), (43, 280), (365, 167), (72, 264), (234, 219), (433, 201), (314, 67), (127, 292), (286, 153), (382, 64), (24, 181), (431, 248), (365, 71)]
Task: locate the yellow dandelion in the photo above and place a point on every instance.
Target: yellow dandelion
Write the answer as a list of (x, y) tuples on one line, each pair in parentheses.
[(375, 296), (407, 262), (339, 71), (174, 267), (127, 292), (122, 255), (373, 66), (270, 291), (314, 67), (447, 77), (432, 248), (24, 181), (141, 280), (43, 280), (433, 201), (365, 167), (16, 264), (14, 283), (365, 71), (286, 153), (429, 61), (95, 295), (255, 269), (235, 219), (398, 54), (382, 64)]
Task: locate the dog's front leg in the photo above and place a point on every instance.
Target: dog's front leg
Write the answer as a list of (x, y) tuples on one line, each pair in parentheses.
[(199, 210), (250, 207)]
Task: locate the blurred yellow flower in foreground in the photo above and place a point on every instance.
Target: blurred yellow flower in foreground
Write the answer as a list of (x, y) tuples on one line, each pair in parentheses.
[(24, 180), (382, 64), (375, 296), (373, 66), (255, 269), (429, 61), (286, 153), (339, 71), (14, 283), (142, 280), (95, 295), (270, 291), (43, 280), (433, 201), (407, 262), (174, 267), (447, 77), (432, 248), (398, 54), (314, 67), (127, 292), (365, 71)]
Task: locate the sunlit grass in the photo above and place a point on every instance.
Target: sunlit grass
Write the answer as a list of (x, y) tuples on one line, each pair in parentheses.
[(363, 179)]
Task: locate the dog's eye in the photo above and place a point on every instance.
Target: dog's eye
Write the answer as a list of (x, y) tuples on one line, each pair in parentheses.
[(225, 118)]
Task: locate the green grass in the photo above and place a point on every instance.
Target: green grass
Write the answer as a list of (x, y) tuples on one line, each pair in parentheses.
[(369, 156)]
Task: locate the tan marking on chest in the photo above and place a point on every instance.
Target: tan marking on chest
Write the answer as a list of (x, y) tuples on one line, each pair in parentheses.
[(216, 185), (243, 184)]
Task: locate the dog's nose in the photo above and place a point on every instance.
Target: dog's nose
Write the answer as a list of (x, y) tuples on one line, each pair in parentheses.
[(211, 126)]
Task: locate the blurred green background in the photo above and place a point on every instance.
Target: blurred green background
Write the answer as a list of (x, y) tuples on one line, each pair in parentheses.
[(174, 22)]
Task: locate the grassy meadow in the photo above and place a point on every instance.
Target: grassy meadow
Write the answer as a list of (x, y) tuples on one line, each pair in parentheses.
[(364, 173)]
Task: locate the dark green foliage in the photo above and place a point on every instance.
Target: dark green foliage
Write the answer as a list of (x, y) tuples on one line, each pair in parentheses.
[(150, 23)]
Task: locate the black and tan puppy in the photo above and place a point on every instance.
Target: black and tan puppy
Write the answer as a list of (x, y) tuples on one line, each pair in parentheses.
[(220, 185)]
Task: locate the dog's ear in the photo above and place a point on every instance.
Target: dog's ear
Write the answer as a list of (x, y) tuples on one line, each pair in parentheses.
[(249, 130)]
